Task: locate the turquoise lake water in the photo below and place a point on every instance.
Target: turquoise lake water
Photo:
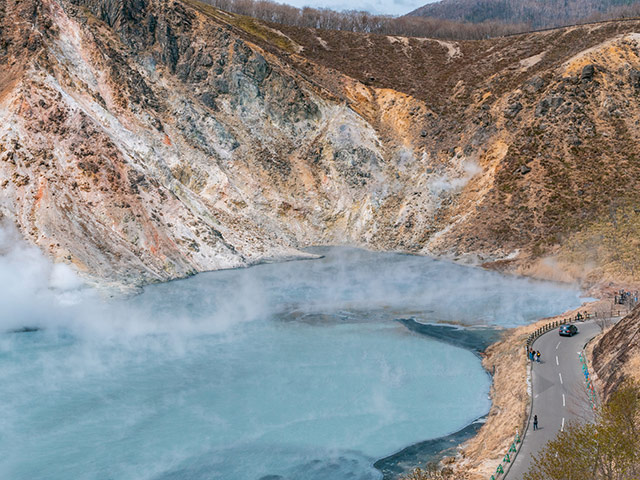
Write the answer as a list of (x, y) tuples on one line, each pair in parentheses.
[(286, 371)]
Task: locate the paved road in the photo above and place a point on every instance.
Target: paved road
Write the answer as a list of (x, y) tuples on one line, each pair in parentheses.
[(559, 394)]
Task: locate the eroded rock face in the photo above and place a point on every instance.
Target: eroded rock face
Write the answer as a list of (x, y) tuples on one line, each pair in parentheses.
[(149, 142), (616, 356), (143, 140)]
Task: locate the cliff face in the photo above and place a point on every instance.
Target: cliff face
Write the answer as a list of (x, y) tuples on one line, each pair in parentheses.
[(616, 355), (146, 141), (143, 140)]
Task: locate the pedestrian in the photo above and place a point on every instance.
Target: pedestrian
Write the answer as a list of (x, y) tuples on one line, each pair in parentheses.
[(535, 422), (538, 356)]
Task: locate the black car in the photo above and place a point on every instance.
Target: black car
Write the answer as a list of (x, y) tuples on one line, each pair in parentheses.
[(568, 330)]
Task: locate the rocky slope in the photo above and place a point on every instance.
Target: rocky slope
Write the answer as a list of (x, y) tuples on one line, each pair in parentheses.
[(616, 354), (143, 140)]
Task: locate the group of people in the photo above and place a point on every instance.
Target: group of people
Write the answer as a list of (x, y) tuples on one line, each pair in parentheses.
[(533, 355), (623, 297)]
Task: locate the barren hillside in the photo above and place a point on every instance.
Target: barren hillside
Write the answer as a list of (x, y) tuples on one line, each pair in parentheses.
[(616, 355), (536, 14), (143, 141)]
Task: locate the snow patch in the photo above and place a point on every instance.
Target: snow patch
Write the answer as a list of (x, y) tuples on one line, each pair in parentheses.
[(297, 47), (531, 61), (403, 40), (322, 42), (453, 49)]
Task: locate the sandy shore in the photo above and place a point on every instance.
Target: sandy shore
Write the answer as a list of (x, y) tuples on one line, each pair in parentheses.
[(506, 360)]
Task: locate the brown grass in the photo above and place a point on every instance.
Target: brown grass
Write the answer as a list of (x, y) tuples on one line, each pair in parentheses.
[(250, 25)]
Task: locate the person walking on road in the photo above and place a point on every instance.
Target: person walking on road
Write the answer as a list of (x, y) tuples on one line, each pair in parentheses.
[(535, 422), (538, 356)]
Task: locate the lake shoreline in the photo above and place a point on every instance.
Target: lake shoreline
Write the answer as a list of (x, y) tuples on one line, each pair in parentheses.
[(428, 451), (474, 451), (478, 456), (475, 339)]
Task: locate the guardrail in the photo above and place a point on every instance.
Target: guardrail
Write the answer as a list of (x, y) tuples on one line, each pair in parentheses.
[(591, 392), (505, 465), (553, 325), (507, 460), (579, 317)]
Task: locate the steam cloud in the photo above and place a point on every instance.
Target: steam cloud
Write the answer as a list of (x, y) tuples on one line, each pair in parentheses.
[(37, 293), (232, 374), (32, 289)]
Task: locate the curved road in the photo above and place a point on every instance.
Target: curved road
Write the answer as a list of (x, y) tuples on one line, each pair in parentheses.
[(559, 391)]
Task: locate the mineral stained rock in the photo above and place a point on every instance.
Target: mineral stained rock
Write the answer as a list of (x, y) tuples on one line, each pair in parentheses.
[(144, 140)]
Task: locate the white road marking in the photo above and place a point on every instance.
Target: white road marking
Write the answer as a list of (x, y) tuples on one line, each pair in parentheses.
[(563, 401), (557, 362), (560, 377), (562, 427), (558, 345)]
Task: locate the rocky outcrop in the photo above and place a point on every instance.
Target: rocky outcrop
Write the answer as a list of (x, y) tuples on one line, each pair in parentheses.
[(588, 71), (171, 148)]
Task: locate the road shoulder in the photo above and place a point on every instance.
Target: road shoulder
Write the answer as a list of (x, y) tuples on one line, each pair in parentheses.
[(507, 362)]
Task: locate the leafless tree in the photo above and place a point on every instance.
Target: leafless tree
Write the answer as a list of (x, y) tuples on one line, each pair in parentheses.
[(364, 22), (449, 19)]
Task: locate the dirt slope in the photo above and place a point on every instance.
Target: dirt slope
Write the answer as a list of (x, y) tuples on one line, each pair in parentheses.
[(616, 355)]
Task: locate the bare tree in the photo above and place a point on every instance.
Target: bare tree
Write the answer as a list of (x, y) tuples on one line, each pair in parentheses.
[(364, 22), (451, 19), (603, 314)]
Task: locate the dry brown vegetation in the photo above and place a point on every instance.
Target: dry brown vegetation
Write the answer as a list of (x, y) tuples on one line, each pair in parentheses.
[(547, 120), (363, 22), (534, 14), (615, 356), (454, 19)]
